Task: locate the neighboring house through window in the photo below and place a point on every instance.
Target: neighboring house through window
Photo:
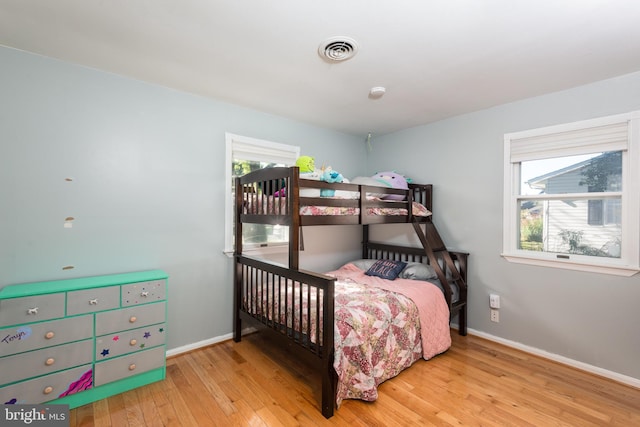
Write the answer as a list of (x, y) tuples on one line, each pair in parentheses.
[(571, 196), (243, 155)]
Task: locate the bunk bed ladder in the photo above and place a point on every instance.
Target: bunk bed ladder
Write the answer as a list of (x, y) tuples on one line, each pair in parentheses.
[(442, 261)]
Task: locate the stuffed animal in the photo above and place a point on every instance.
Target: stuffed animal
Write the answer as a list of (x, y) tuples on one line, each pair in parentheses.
[(308, 170), (306, 164), (392, 180), (329, 175)]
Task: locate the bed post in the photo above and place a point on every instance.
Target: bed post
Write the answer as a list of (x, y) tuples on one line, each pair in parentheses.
[(329, 376), (237, 267), (365, 241), (294, 208)]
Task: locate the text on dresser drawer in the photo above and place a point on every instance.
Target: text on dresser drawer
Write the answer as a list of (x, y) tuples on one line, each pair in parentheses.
[(20, 338)]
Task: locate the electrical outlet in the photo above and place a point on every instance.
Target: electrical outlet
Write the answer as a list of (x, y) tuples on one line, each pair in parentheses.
[(495, 315)]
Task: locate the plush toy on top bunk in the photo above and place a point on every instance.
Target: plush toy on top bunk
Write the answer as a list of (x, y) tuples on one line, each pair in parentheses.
[(307, 166), (307, 169), (392, 180), (383, 179), (329, 175)]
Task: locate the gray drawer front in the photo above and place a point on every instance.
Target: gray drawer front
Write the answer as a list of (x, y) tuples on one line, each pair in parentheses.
[(14, 311), (18, 339), (129, 318), (127, 366), (49, 387), (92, 300), (143, 292), (119, 343), (34, 363)]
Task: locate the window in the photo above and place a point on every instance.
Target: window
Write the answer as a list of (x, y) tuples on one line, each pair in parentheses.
[(243, 155), (571, 195)]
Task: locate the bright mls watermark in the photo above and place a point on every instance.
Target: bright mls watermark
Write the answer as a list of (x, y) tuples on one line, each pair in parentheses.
[(35, 415)]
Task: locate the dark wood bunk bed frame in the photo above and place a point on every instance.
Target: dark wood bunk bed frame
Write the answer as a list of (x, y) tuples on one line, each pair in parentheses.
[(253, 277)]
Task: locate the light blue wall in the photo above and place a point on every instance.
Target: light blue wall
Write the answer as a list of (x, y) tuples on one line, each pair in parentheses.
[(147, 164), (148, 183), (591, 318)]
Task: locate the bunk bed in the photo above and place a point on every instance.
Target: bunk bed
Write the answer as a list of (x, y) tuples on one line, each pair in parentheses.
[(298, 307)]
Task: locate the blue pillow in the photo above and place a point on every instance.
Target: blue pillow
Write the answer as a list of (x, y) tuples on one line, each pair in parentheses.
[(386, 269)]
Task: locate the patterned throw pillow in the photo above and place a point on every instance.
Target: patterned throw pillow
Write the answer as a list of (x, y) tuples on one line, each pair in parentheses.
[(386, 269)]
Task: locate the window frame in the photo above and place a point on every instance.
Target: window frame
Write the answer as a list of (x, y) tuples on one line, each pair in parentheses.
[(629, 262), (258, 150)]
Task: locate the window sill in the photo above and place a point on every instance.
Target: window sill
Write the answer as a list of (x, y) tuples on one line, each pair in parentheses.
[(259, 251), (567, 264)]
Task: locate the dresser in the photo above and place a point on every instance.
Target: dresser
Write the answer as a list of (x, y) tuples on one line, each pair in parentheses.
[(79, 340)]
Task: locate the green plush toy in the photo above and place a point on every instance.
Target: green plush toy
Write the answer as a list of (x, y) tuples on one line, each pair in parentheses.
[(306, 164)]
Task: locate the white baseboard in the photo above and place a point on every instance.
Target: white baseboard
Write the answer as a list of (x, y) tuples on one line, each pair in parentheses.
[(625, 379), (204, 343)]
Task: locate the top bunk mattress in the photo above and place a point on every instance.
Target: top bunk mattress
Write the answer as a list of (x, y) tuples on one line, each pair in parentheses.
[(270, 205)]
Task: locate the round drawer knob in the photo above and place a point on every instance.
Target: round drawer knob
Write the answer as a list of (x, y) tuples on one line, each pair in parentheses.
[(133, 342), (133, 319), (47, 390), (132, 366), (50, 361), (49, 335)]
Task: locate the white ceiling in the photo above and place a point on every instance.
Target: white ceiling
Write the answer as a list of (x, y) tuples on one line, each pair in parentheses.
[(436, 59)]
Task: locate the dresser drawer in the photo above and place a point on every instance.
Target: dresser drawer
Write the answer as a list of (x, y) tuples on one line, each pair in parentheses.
[(119, 343), (18, 339), (143, 292), (129, 365), (45, 361), (14, 311), (129, 318), (92, 300), (49, 387)]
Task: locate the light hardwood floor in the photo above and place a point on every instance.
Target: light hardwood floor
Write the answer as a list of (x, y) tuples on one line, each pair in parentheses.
[(476, 382)]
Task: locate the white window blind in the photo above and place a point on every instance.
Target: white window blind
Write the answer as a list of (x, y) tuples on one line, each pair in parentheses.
[(262, 151), (610, 137)]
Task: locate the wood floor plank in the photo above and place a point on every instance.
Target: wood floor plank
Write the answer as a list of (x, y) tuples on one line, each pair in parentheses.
[(150, 413), (475, 383)]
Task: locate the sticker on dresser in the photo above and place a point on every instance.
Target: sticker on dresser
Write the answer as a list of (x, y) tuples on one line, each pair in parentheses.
[(119, 343), (144, 292), (20, 338)]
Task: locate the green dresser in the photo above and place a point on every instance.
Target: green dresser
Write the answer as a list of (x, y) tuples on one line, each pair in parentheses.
[(80, 340)]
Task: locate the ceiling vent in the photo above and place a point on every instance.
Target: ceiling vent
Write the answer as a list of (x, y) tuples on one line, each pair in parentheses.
[(337, 49)]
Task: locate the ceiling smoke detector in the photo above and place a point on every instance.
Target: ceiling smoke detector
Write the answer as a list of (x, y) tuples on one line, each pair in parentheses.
[(337, 49)]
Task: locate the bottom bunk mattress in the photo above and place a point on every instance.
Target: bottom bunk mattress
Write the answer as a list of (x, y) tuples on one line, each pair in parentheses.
[(381, 326)]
